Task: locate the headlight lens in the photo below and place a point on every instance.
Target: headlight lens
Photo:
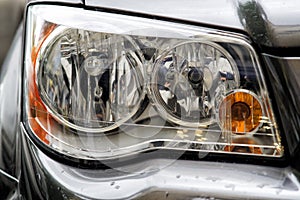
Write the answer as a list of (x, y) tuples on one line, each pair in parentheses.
[(185, 80), (106, 85), (94, 90)]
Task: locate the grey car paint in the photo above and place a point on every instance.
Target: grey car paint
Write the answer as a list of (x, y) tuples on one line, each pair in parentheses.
[(41, 177), (271, 23)]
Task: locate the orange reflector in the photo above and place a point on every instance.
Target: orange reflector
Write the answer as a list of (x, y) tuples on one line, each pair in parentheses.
[(46, 31), (240, 112), (39, 117)]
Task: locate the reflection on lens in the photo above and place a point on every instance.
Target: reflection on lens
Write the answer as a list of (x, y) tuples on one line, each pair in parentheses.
[(244, 145), (186, 79), (92, 80), (240, 112)]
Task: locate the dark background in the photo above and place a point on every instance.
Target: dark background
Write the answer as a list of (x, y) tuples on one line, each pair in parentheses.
[(11, 13)]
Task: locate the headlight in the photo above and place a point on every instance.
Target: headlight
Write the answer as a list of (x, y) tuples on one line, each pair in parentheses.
[(101, 86), (185, 79), (97, 89)]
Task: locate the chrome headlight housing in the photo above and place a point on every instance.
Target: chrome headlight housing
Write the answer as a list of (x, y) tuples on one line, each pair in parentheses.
[(101, 86)]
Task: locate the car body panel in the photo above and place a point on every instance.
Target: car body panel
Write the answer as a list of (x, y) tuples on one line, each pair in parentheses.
[(9, 186), (57, 1), (224, 13), (269, 23), (186, 179), (44, 178), (10, 107), (281, 19), (10, 81)]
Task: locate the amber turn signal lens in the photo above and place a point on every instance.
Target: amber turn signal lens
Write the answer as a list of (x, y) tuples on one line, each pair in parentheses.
[(39, 115), (240, 112)]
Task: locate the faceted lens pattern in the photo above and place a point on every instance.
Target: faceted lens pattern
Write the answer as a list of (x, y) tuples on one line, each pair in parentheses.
[(92, 79), (186, 79)]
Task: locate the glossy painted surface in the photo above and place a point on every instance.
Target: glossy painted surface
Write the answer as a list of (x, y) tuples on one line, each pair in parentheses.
[(8, 186), (180, 179), (10, 80), (283, 20), (56, 1), (269, 23), (222, 13)]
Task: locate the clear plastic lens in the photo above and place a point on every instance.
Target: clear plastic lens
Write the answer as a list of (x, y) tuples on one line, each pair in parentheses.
[(92, 80), (106, 86), (188, 80)]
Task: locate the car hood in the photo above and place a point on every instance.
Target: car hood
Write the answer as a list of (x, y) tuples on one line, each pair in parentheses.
[(270, 23)]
